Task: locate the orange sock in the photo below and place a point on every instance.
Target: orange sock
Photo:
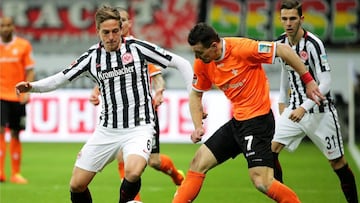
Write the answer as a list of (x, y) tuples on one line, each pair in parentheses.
[(167, 166), (190, 188), (281, 193), (137, 197), (121, 171), (15, 153), (2, 154)]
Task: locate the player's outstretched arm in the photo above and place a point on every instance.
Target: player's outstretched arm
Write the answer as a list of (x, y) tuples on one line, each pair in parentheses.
[(44, 85), (197, 115), (185, 68), (312, 89), (159, 87)]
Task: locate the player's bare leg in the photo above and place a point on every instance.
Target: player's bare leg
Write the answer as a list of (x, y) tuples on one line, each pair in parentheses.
[(276, 148), (163, 163), (263, 180), (121, 170), (79, 185)]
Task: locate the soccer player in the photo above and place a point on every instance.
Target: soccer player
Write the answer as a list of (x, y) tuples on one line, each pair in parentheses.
[(160, 162), (17, 64), (126, 123), (234, 66), (301, 117)]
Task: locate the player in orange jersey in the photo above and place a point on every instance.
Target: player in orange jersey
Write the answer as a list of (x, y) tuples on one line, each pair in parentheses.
[(300, 117), (16, 65), (234, 65), (160, 162)]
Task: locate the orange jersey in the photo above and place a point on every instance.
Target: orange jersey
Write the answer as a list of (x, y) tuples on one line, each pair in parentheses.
[(240, 75), (15, 59)]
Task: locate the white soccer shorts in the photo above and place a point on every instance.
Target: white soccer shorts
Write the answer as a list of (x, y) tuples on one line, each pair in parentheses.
[(104, 145), (322, 128)]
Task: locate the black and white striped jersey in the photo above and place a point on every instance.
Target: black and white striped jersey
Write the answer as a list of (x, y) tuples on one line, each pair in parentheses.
[(123, 79), (312, 53)]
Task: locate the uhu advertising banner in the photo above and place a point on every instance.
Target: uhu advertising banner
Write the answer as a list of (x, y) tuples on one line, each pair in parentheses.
[(167, 22)]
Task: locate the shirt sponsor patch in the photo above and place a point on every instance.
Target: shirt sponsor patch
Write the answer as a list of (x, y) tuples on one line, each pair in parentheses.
[(264, 47)]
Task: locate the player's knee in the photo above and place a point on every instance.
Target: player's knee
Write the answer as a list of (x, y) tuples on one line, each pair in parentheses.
[(338, 163), (74, 187), (132, 175), (261, 181)]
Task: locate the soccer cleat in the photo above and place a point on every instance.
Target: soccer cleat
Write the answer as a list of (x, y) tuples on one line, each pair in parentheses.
[(18, 179), (180, 177)]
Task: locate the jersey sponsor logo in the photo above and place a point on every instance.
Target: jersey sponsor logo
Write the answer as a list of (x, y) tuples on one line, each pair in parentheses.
[(127, 58), (264, 47), (232, 86), (115, 73), (8, 60)]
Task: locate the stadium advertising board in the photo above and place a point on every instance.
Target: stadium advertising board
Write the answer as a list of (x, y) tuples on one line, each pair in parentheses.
[(68, 116), (335, 22)]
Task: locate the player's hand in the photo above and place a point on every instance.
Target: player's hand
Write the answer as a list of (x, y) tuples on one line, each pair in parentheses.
[(158, 98), (94, 99), (22, 87), (197, 135), (297, 114), (313, 92)]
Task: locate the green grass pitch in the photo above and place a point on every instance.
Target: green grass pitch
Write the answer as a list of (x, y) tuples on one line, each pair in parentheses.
[(48, 167)]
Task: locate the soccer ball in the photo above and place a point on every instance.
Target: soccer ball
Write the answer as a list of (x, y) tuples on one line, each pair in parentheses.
[(133, 201)]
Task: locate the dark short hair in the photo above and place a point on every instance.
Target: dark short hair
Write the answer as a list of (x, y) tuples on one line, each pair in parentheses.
[(204, 34), (292, 4)]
